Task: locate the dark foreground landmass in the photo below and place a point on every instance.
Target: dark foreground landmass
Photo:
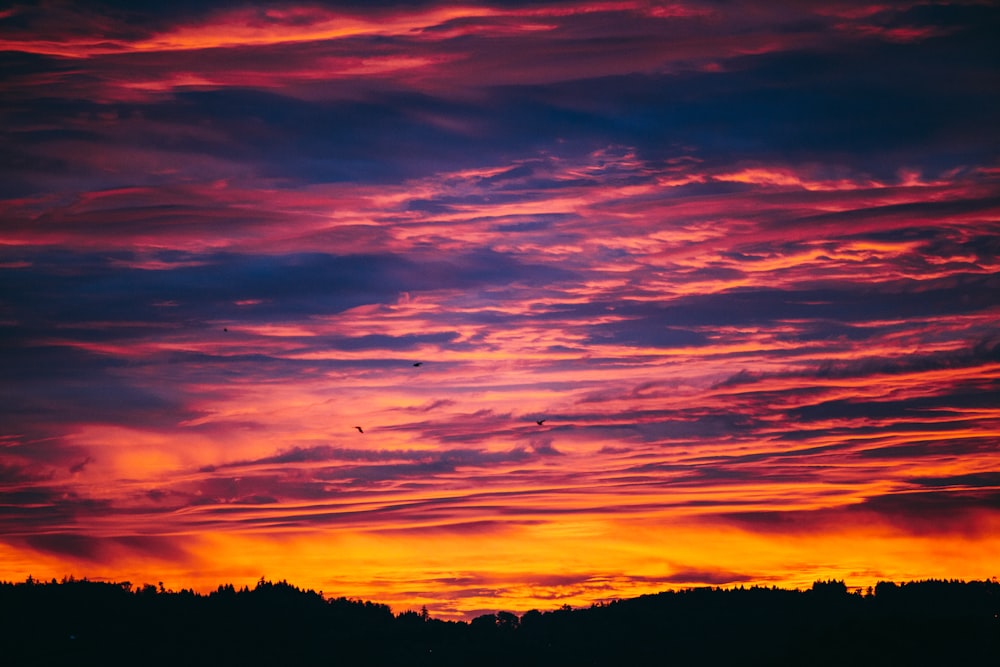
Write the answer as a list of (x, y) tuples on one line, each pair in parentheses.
[(91, 623)]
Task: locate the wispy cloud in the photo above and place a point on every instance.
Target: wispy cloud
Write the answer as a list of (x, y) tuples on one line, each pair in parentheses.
[(622, 295)]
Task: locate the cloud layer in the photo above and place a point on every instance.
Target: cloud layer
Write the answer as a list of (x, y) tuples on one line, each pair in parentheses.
[(742, 264)]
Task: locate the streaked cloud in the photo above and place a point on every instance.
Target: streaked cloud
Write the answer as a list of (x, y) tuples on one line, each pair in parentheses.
[(623, 296)]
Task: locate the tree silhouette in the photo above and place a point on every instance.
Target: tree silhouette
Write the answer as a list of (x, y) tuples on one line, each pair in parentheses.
[(83, 622)]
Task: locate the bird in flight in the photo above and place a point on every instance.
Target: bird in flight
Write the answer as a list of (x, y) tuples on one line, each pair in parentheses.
[(539, 421), (359, 429), (419, 363)]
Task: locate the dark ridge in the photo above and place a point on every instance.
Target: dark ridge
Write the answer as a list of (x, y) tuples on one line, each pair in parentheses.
[(88, 623)]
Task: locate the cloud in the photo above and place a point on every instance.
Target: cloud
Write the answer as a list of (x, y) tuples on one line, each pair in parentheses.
[(433, 405), (971, 480), (742, 259), (40, 509), (694, 576), (217, 284), (952, 403), (920, 513), (935, 512), (80, 547)]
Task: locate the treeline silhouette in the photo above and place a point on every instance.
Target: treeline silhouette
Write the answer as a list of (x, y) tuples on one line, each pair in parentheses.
[(80, 622)]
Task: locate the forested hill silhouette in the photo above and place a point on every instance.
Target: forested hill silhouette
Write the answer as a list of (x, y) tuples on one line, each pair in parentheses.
[(89, 623)]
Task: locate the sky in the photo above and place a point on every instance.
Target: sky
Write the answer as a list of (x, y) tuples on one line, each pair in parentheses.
[(702, 293)]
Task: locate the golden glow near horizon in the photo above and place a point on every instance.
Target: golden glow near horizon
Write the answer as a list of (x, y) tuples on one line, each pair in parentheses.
[(765, 367)]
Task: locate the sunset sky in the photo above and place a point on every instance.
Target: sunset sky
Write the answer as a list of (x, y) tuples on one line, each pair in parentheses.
[(741, 258)]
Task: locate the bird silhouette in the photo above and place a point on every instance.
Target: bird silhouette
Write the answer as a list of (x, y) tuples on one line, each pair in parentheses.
[(419, 363), (359, 429), (539, 421), (225, 329)]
